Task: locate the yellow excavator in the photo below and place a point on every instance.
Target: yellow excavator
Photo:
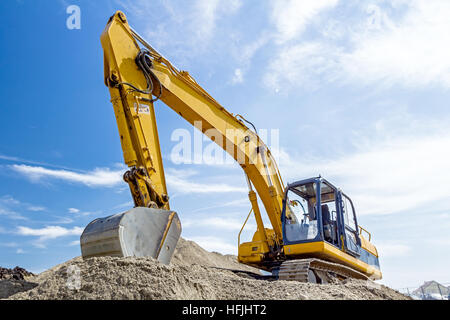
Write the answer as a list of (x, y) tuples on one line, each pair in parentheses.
[(314, 235)]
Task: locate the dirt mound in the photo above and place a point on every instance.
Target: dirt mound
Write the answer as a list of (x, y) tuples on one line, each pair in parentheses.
[(13, 281), (194, 273), (188, 253), (10, 287), (17, 273)]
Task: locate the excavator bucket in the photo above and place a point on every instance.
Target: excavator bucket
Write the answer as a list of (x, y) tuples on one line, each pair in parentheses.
[(139, 232)]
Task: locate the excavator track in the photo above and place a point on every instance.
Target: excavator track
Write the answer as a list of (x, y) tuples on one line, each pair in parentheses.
[(316, 271)]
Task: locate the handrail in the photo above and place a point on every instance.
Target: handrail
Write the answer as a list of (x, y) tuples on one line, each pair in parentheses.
[(239, 235), (360, 232)]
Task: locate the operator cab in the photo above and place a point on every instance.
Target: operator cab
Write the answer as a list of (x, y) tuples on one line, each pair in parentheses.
[(303, 200), (314, 210)]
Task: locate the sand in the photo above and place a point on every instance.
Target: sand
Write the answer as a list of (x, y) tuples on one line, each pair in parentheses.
[(194, 273)]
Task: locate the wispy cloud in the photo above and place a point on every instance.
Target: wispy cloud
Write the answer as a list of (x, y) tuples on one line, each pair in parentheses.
[(383, 43), (410, 51), (292, 16), (183, 181), (389, 250), (215, 244), (48, 233), (36, 208), (198, 19), (387, 175), (61, 220), (128, 204), (220, 223), (238, 76), (7, 199), (33, 162), (74, 243), (244, 55), (11, 214), (180, 181), (244, 202), (99, 177), (9, 244), (78, 212), (9, 206)]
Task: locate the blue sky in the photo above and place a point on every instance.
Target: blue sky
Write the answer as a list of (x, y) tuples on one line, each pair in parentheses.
[(358, 91)]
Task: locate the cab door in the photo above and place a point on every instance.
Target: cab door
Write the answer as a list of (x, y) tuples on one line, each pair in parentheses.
[(348, 226)]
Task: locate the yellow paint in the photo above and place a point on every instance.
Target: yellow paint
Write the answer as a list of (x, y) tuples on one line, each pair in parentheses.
[(365, 244), (137, 130)]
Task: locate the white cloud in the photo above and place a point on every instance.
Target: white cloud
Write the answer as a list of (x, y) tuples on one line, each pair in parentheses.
[(11, 214), (387, 176), (292, 16), (204, 18), (243, 54), (9, 200), (48, 233), (247, 52), (36, 208), (225, 224), (39, 163), (302, 65), (99, 177), (74, 243), (20, 251), (8, 206), (215, 244), (392, 250), (178, 180), (182, 181), (238, 76), (413, 51), (128, 204), (61, 220), (197, 19), (9, 244), (206, 13), (78, 212), (385, 45), (244, 202)]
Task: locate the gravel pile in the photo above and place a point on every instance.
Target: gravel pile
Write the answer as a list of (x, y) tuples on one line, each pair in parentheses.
[(194, 273), (17, 273)]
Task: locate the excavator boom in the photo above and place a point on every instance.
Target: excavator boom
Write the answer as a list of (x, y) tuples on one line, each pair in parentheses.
[(137, 75)]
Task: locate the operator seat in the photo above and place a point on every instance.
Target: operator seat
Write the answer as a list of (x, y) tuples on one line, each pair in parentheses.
[(329, 228)]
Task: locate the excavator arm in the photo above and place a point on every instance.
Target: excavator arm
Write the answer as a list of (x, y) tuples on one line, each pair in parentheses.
[(135, 116), (137, 76)]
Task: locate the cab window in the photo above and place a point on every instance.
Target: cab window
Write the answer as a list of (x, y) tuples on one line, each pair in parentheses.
[(300, 214), (349, 214), (351, 233), (329, 214)]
